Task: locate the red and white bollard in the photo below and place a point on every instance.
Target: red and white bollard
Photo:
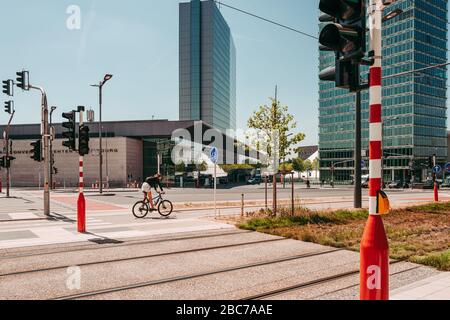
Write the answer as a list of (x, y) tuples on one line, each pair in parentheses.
[(81, 205), (374, 271)]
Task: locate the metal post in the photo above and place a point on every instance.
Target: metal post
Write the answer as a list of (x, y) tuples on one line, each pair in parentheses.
[(435, 184), (265, 188), (46, 152), (242, 205), (292, 195), (215, 189), (358, 190), (51, 147), (275, 194), (81, 204), (100, 136), (374, 253), (7, 169)]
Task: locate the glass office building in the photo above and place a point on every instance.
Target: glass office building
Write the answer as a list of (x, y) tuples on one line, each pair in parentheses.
[(207, 66), (414, 105)]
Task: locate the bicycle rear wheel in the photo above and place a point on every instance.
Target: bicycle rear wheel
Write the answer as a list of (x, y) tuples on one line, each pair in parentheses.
[(140, 209), (165, 208)]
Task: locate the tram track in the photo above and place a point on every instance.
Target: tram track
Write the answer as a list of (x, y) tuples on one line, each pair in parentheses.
[(165, 254), (94, 247), (307, 284), (192, 276)]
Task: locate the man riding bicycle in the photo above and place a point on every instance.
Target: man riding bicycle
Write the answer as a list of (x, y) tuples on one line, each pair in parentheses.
[(152, 182)]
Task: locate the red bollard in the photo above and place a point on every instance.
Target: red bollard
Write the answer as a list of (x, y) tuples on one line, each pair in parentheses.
[(81, 213), (436, 192), (374, 261)]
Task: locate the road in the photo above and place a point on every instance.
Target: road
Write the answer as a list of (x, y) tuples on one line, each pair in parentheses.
[(190, 255)]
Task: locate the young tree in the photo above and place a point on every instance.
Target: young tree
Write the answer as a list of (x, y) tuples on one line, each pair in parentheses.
[(299, 165), (270, 119)]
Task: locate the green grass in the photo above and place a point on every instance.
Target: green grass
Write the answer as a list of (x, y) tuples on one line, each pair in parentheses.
[(439, 261), (430, 207), (308, 217)]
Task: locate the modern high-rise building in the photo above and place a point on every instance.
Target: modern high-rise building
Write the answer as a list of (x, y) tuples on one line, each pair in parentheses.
[(207, 66), (414, 105)]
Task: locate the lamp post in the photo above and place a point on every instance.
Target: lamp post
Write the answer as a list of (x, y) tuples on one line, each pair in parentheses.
[(100, 87), (52, 136)]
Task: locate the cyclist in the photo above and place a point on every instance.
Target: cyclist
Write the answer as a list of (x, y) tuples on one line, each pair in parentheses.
[(152, 182)]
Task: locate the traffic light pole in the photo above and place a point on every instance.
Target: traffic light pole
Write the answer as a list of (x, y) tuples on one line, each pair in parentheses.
[(46, 154), (7, 149), (81, 204), (374, 272), (358, 151)]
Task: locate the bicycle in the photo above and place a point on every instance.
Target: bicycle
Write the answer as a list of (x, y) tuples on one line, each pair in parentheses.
[(142, 208)]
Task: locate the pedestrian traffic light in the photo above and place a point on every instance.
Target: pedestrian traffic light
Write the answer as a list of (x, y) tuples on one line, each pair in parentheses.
[(23, 80), (36, 151), (9, 106), (8, 161), (346, 36), (8, 87), (83, 144), (70, 134)]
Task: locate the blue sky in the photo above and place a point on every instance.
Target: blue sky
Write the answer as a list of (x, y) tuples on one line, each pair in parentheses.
[(137, 41)]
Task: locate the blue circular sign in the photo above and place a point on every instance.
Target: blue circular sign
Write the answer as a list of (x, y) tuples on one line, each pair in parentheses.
[(214, 156), (447, 167), (437, 169)]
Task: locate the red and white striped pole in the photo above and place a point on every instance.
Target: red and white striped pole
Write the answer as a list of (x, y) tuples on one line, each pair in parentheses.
[(374, 245), (81, 205)]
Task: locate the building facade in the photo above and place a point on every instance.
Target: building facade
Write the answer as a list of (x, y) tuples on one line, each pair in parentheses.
[(207, 66), (414, 105)]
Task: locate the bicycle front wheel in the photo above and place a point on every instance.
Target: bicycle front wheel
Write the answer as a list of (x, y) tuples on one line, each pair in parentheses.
[(165, 208), (140, 210)]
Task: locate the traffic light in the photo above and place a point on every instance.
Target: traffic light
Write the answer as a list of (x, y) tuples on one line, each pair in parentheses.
[(8, 87), (3, 162), (36, 151), (83, 144), (70, 134), (23, 80), (430, 162), (346, 36), (9, 106), (8, 161)]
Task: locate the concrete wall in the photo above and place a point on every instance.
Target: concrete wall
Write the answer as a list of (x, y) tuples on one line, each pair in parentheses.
[(121, 157)]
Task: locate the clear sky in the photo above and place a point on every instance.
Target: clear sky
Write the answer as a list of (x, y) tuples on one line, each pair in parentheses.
[(137, 41)]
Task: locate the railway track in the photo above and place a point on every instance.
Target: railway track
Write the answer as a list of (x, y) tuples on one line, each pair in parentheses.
[(303, 285), (143, 257), (90, 247), (191, 276)]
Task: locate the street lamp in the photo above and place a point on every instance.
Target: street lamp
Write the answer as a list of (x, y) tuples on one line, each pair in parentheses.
[(52, 157), (391, 15), (100, 87)]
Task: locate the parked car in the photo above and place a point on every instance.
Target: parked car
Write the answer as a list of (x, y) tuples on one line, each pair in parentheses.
[(397, 184), (254, 180), (429, 184), (446, 183), (365, 184)]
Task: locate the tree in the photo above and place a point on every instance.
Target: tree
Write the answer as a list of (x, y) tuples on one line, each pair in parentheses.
[(270, 119), (299, 165), (286, 168)]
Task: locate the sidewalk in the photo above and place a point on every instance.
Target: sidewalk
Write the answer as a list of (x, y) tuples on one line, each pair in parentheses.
[(434, 288)]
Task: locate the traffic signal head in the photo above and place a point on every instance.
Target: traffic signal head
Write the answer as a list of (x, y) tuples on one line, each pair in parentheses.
[(23, 80), (36, 151), (346, 36), (9, 106), (3, 162), (83, 144), (69, 134), (8, 87)]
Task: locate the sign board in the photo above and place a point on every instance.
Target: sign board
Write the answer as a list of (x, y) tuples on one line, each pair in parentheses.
[(447, 167), (437, 169), (214, 155)]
